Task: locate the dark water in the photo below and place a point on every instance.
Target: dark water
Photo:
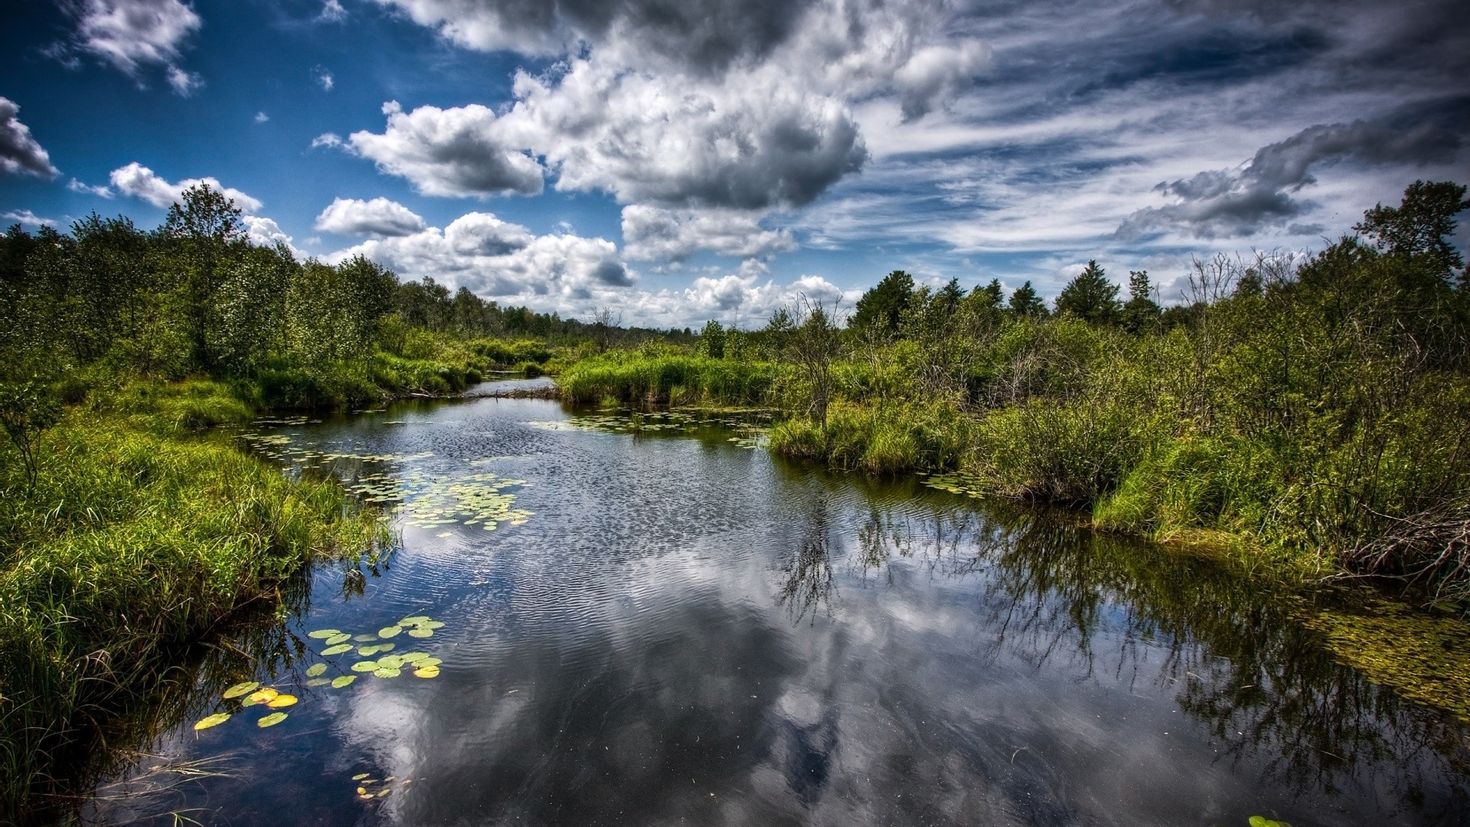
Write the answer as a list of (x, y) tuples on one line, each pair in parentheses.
[(689, 631)]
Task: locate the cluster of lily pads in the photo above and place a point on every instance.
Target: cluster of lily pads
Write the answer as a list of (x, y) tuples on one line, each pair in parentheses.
[(248, 694), (369, 646), (366, 647), (428, 502), (956, 483), (746, 424)]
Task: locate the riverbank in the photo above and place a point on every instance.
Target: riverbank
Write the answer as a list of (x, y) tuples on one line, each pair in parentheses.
[(141, 536)]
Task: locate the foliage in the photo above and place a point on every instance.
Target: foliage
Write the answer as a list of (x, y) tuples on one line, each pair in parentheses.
[(26, 409), (1090, 296)]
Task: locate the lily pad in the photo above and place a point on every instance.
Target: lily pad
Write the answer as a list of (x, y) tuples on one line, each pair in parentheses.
[(428, 662), (432, 624), (385, 672), (365, 666), (367, 651), (413, 657), (260, 696), (364, 638), (322, 634), (343, 681), (426, 672), (315, 682), (241, 689), (340, 637), (282, 701), (421, 633), (389, 631), (390, 662), (338, 649), (360, 776), (271, 719), (414, 621), (316, 670), (213, 720)]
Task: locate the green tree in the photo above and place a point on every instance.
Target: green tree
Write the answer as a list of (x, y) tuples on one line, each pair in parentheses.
[(1025, 303), (204, 230), (1140, 312), (712, 340), (1421, 226), (880, 311), (1090, 296), (27, 407)]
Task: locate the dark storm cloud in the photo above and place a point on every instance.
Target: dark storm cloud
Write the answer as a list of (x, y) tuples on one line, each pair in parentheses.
[(1238, 202), (19, 152)]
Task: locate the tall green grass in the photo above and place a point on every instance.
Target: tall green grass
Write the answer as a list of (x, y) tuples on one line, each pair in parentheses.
[(136, 541), (637, 378)]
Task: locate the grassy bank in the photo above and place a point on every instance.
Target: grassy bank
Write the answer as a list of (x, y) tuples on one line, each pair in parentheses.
[(139, 538), (662, 377)]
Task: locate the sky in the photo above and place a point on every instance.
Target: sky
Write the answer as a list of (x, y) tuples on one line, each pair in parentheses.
[(677, 161)]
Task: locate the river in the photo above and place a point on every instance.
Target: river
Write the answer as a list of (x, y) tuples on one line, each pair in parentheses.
[(665, 624)]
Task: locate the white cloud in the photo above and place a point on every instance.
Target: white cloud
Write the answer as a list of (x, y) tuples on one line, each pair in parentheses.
[(265, 232), (143, 183), (87, 189), (21, 154), (27, 218), (324, 78), (654, 233), (132, 34), (378, 217), (495, 258), (261, 117), (332, 12), (449, 152), (327, 140)]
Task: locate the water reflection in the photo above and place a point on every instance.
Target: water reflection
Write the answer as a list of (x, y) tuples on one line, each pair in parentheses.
[(688, 630)]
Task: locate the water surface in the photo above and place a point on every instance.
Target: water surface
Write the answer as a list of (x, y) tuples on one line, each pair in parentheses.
[(684, 629)]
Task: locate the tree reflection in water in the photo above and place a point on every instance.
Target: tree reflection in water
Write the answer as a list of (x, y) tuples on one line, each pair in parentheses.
[(1236, 660)]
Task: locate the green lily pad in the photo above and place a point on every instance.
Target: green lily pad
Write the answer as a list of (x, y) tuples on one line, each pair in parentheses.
[(271, 719), (390, 662), (322, 634), (367, 651), (365, 666), (338, 649), (420, 633), (241, 689), (340, 637), (314, 682), (364, 638), (315, 670), (384, 672), (343, 681), (432, 624), (213, 720), (414, 621), (428, 662), (389, 631), (413, 657)]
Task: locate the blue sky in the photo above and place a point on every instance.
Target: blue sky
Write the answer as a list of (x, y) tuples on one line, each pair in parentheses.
[(692, 159)]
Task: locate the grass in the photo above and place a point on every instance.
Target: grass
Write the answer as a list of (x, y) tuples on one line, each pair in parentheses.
[(138, 539), (639, 378)]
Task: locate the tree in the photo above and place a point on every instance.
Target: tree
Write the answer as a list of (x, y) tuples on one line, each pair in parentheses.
[(1025, 303), (712, 340), (812, 344), (204, 229), (1140, 313), (1090, 296), (1421, 226), (27, 407), (880, 310)]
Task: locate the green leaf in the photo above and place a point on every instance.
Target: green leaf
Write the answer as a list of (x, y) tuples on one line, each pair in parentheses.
[(213, 720), (322, 634), (271, 720), (340, 637), (389, 631), (420, 633), (343, 681), (338, 649), (241, 689), (315, 670)]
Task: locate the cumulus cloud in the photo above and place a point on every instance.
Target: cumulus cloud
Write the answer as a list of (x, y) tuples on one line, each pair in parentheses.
[(377, 217), (449, 152), (495, 258), (332, 12), (265, 232), (21, 154), (1260, 194), (744, 298), (132, 34), (936, 73), (655, 233), (140, 182), (27, 218), (99, 190), (324, 78)]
